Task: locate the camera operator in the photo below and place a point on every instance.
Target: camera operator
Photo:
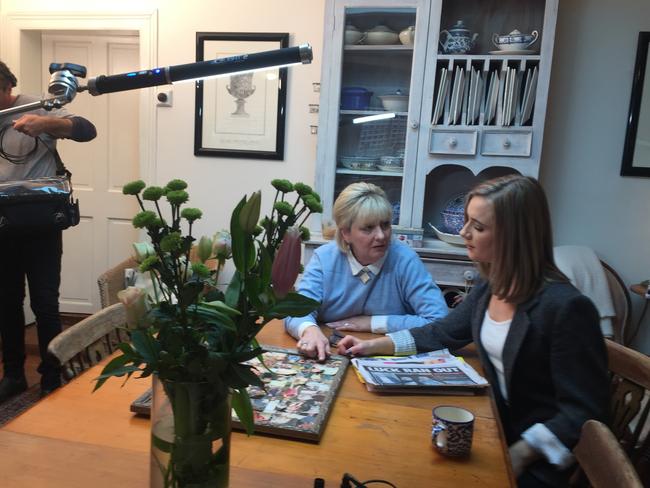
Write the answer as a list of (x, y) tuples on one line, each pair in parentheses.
[(27, 148)]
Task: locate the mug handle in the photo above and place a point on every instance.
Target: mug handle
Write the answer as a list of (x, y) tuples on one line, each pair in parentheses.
[(494, 39), (535, 34), (365, 35), (439, 434)]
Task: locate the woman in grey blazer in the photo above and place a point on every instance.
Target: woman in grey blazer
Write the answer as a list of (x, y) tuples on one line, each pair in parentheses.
[(537, 337)]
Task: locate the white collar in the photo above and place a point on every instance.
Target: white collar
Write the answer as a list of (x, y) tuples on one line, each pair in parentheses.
[(357, 268)]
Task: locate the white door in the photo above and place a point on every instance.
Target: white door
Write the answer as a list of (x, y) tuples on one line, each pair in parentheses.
[(100, 167)]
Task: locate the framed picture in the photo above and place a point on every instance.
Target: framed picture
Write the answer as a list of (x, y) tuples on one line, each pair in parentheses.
[(636, 151), (240, 115), (297, 399)]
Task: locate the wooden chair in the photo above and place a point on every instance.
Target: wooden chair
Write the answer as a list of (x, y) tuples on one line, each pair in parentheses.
[(622, 304), (630, 408), (89, 341), (603, 460), (112, 281)]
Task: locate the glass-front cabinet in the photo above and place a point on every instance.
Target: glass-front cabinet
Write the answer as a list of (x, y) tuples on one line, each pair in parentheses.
[(427, 97)]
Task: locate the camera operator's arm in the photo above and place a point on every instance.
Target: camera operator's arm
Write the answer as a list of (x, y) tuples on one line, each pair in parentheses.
[(75, 128)]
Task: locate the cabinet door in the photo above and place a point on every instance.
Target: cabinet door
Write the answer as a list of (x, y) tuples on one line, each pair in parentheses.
[(373, 66)]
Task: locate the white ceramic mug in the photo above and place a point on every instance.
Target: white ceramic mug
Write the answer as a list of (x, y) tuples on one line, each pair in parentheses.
[(452, 430)]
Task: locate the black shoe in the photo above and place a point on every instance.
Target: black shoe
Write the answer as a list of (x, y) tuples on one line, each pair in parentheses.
[(48, 385), (10, 387)]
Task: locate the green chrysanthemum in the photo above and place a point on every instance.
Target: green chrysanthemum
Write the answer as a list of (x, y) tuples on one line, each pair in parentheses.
[(133, 187), (312, 204), (191, 214), (148, 263), (304, 233), (200, 270), (283, 208), (284, 186), (177, 197), (302, 189), (153, 193), (171, 242), (144, 219), (176, 185), (258, 230)]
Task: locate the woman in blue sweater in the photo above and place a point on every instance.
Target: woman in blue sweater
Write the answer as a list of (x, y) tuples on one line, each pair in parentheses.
[(365, 281)]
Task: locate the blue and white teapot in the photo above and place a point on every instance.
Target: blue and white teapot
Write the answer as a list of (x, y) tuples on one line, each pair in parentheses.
[(457, 40)]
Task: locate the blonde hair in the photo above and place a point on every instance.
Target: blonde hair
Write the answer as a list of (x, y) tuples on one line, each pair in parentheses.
[(523, 238), (362, 202)]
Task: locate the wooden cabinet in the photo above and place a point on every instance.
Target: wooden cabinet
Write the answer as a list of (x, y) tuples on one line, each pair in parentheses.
[(450, 132)]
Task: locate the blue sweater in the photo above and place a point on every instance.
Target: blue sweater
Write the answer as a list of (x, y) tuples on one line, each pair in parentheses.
[(403, 291)]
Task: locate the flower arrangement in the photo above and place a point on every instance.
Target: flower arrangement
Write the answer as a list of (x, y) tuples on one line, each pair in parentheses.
[(193, 333)]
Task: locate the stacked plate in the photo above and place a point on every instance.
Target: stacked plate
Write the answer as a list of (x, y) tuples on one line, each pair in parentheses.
[(359, 163)]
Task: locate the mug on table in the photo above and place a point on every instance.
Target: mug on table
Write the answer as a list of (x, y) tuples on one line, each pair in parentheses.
[(452, 429)]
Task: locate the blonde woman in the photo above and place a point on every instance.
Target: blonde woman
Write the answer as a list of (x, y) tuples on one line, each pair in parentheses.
[(538, 338), (365, 281)]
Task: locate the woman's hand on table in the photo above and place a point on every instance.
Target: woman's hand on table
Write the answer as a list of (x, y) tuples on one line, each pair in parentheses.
[(360, 323), (314, 344), (353, 346)]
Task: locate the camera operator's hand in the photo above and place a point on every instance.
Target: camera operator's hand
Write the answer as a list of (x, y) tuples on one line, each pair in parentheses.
[(35, 125)]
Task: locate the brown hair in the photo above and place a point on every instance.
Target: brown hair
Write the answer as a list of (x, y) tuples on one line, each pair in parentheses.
[(6, 77), (523, 238), (359, 201)]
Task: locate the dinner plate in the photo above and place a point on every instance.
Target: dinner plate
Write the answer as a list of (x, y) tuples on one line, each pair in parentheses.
[(389, 168), (442, 96), (514, 52), (444, 236), (528, 108)]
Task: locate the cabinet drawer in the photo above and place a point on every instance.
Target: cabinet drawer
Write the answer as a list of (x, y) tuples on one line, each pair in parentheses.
[(506, 143), (453, 142), (447, 272)]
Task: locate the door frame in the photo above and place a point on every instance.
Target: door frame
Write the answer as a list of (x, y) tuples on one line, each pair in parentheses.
[(17, 29)]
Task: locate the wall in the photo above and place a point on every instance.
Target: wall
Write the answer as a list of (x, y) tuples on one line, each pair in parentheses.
[(590, 89), (591, 204)]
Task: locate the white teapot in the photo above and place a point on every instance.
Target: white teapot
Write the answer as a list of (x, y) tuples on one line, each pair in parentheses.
[(458, 39)]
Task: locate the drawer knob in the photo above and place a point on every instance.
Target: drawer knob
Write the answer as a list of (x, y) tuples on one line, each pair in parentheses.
[(453, 142), (507, 143)]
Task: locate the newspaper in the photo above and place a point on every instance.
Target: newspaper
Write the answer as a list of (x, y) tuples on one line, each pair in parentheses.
[(436, 372)]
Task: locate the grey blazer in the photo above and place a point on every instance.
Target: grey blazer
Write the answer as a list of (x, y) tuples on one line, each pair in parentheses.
[(554, 357)]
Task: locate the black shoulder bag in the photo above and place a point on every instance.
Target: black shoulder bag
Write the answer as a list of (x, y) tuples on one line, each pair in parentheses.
[(39, 205)]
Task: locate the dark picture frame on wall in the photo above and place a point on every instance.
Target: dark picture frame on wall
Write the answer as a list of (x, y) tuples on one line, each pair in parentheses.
[(241, 115), (636, 151)]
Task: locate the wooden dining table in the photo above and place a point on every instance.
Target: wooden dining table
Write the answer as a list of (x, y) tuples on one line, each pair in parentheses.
[(76, 438)]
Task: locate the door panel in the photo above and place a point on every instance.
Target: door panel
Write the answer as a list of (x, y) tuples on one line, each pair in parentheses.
[(100, 167)]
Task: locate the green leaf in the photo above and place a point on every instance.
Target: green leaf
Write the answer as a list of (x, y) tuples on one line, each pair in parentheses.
[(266, 265), (161, 444), (121, 371), (293, 305), (238, 237), (241, 403), (222, 307), (113, 365), (145, 345), (242, 375), (233, 291)]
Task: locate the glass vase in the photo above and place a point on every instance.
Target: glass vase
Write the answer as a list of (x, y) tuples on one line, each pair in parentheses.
[(190, 435)]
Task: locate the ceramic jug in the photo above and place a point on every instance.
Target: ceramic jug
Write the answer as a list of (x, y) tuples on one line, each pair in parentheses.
[(407, 36), (457, 40)]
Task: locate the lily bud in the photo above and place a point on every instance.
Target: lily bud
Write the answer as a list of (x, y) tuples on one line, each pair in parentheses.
[(222, 245), (250, 212), (136, 307), (204, 249), (143, 250), (286, 264)]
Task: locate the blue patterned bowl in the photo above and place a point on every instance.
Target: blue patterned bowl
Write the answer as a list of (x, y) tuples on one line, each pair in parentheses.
[(453, 216)]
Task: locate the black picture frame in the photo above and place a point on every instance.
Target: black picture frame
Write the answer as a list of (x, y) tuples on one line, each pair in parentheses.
[(255, 129), (629, 166)]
